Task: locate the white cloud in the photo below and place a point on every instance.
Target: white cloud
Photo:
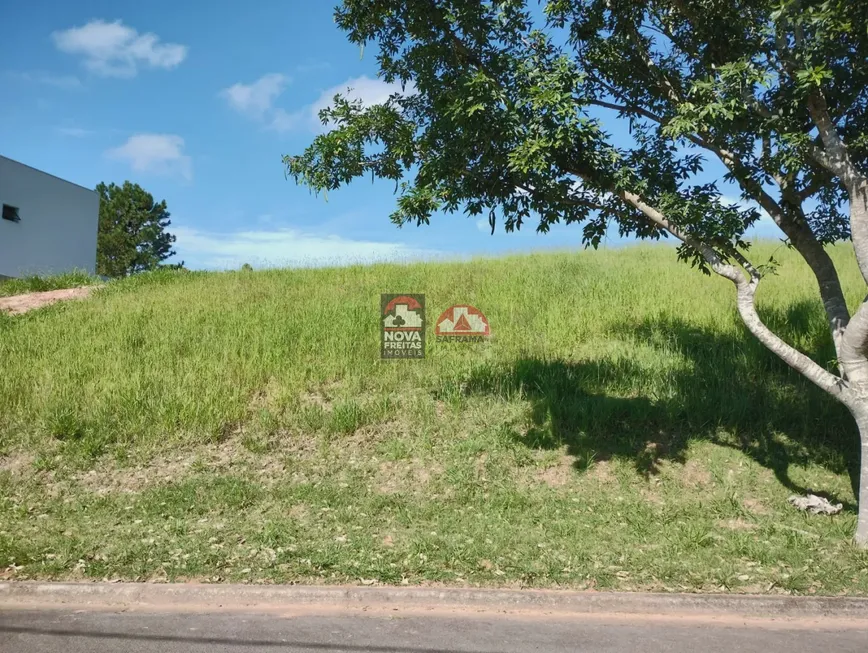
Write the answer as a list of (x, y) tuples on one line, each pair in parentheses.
[(728, 200), (369, 91), (256, 99), (283, 121), (116, 50), (50, 79), (284, 247), (155, 153)]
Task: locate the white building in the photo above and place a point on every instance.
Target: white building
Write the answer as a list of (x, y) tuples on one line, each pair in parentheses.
[(48, 225)]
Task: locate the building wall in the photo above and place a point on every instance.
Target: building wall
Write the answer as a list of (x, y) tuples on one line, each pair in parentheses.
[(58, 227)]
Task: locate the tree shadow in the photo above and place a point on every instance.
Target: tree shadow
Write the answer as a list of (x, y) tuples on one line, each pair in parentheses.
[(675, 382)]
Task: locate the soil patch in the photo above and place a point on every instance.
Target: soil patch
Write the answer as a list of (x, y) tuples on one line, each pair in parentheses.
[(18, 304)]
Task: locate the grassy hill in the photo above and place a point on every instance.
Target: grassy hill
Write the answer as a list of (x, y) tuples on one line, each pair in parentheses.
[(620, 430)]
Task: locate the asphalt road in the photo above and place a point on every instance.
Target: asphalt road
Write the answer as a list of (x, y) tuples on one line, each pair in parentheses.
[(51, 631)]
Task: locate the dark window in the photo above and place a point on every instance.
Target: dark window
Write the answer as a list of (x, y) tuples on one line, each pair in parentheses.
[(11, 213)]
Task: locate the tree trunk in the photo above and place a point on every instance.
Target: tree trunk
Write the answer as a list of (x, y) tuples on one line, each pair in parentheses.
[(818, 259), (851, 388), (854, 347), (860, 413), (858, 196), (854, 363)]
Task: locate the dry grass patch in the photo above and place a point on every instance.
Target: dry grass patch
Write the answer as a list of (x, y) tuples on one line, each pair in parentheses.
[(755, 506), (601, 472), (18, 304), (559, 474), (17, 463), (405, 476), (694, 475)]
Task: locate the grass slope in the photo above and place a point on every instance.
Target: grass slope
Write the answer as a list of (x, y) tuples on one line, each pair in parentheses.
[(9, 287), (620, 431)]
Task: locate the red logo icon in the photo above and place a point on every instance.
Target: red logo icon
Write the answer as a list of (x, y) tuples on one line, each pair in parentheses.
[(462, 323)]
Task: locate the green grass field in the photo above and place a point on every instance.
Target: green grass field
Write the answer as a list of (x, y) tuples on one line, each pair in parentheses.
[(621, 430), (9, 287)]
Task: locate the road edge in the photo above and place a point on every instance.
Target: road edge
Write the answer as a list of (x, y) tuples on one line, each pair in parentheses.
[(131, 596)]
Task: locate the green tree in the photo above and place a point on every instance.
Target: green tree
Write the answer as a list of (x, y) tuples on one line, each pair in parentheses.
[(505, 108), (132, 231)]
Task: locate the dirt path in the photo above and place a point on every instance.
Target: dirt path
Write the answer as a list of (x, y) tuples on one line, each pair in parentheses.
[(18, 304)]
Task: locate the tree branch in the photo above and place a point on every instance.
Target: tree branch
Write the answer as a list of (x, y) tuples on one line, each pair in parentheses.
[(834, 157), (566, 199), (799, 234), (745, 302), (815, 185), (697, 139), (653, 69), (817, 258), (854, 345), (746, 291), (627, 109)]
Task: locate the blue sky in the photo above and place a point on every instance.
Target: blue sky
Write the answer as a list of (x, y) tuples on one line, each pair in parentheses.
[(197, 103)]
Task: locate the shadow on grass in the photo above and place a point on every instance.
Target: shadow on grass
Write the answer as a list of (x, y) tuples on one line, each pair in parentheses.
[(727, 388)]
